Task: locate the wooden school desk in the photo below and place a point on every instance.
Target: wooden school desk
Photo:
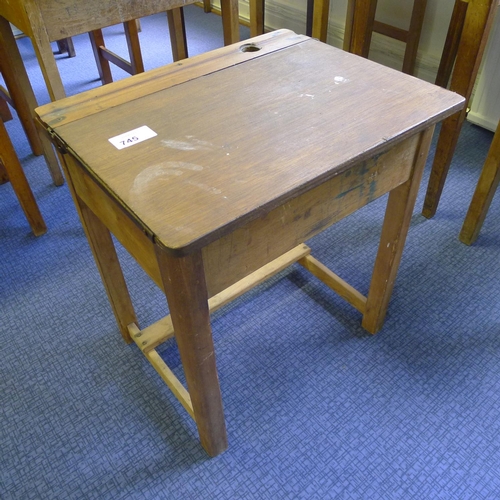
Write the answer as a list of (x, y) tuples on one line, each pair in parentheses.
[(230, 184)]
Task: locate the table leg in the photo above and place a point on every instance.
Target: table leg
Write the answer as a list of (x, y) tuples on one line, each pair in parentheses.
[(21, 93), (230, 21), (184, 282), (485, 190), (478, 21), (392, 240)]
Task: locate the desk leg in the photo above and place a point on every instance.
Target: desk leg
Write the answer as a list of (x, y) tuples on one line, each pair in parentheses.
[(485, 190), (104, 252), (230, 21), (395, 228), (21, 93), (184, 282)]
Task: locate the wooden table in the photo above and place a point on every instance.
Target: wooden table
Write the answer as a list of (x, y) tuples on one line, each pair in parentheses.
[(45, 21), (224, 195)]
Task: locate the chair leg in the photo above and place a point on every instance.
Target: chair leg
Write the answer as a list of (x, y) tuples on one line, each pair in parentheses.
[(177, 29), (485, 190), (66, 45), (257, 13), (24, 100), (19, 183), (134, 48), (5, 113), (478, 22), (103, 56), (451, 43), (359, 26), (97, 41), (3, 174), (318, 18), (413, 38)]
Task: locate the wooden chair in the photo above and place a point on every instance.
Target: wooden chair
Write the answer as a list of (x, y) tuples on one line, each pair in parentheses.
[(10, 169), (485, 190), (465, 43), (361, 23), (464, 47), (20, 95), (316, 21), (103, 56)]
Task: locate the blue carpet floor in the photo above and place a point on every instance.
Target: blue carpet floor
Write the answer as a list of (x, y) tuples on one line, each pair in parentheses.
[(315, 407)]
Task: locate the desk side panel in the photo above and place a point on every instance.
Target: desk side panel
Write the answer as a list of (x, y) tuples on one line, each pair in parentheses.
[(112, 215), (238, 254)]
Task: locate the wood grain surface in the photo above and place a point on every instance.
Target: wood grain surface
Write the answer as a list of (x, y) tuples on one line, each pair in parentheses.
[(236, 143)]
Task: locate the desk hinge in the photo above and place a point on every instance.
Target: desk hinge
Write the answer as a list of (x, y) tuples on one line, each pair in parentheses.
[(58, 142)]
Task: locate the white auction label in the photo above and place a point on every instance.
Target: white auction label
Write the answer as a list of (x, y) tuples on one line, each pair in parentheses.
[(133, 137)]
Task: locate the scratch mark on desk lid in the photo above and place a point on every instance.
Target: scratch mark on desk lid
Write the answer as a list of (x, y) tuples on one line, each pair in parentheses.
[(191, 144), (163, 171), (204, 187)]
